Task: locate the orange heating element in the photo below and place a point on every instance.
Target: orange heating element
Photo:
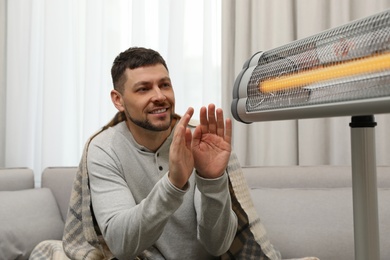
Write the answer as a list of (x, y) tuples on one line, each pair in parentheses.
[(350, 68)]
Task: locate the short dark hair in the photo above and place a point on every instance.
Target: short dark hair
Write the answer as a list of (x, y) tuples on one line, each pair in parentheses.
[(133, 58)]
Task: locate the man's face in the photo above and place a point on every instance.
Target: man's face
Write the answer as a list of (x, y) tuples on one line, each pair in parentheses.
[(148, 98)]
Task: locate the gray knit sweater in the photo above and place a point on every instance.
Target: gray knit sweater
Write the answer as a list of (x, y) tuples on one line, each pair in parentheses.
[(136, 206)]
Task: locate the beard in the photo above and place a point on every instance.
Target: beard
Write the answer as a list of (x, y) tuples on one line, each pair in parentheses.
[(147, 125)]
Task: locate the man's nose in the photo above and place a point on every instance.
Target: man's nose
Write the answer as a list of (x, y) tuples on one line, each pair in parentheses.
[(158, 94)]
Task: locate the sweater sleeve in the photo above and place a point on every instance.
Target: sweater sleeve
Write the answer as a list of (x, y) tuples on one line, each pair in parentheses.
[(128, 228), (217, 222)]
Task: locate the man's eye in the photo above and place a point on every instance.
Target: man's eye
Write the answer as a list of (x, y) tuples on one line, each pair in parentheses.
[(142, 89)]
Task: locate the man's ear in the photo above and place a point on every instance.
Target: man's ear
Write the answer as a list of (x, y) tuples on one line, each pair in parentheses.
[(117, 100)]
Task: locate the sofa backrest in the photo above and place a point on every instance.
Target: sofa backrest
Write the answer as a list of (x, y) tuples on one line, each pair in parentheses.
[(60, 181), (322, 176), (12, 179), (308, 210)]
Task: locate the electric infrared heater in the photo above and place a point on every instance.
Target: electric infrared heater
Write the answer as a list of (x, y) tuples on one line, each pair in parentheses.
[(344, 71)]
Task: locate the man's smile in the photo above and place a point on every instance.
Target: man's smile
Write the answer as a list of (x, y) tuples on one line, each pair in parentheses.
[(159, 111)]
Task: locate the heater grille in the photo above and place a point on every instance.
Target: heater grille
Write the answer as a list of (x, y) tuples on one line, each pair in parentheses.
[(350, 62)]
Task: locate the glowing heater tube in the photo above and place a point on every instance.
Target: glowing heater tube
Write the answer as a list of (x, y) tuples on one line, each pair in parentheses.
[(372, 64)]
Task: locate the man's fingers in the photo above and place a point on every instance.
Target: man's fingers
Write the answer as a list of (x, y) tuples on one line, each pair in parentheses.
[(211, 119), (220, 123), (186, 117), (228, 131), (188, 138), (204, 125)]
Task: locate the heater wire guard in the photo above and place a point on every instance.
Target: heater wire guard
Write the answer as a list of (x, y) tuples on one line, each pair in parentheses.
[(341, 71)]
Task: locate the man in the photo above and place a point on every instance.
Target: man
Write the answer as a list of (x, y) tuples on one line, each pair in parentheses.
[(155, 184), (148, 187)]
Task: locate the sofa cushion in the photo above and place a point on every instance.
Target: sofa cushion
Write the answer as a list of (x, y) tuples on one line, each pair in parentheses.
[(16, 179), (316, 221), (321, 176), (60, 181), (27, 217)]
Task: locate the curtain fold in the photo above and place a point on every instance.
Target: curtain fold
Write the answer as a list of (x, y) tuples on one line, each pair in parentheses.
[(258, 25), (3, 26), (58, 60)]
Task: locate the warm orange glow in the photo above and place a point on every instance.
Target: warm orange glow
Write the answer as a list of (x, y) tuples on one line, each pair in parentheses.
[(350, 68)]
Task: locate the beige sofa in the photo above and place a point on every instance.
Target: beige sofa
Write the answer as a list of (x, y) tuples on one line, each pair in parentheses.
[(307, 211), (28, 214)]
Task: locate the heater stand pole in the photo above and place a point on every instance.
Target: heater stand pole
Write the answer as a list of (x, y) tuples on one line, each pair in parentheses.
[(364, 188)]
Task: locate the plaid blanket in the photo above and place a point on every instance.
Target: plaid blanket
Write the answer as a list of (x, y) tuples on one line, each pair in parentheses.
[(83, 240)]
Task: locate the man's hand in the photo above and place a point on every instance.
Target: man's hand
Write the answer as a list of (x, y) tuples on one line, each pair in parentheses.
[(211, 143), (181, 161)]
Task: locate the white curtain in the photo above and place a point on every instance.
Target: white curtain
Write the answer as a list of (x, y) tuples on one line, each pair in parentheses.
[(2, 80), (57, 60), (249, 26)]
